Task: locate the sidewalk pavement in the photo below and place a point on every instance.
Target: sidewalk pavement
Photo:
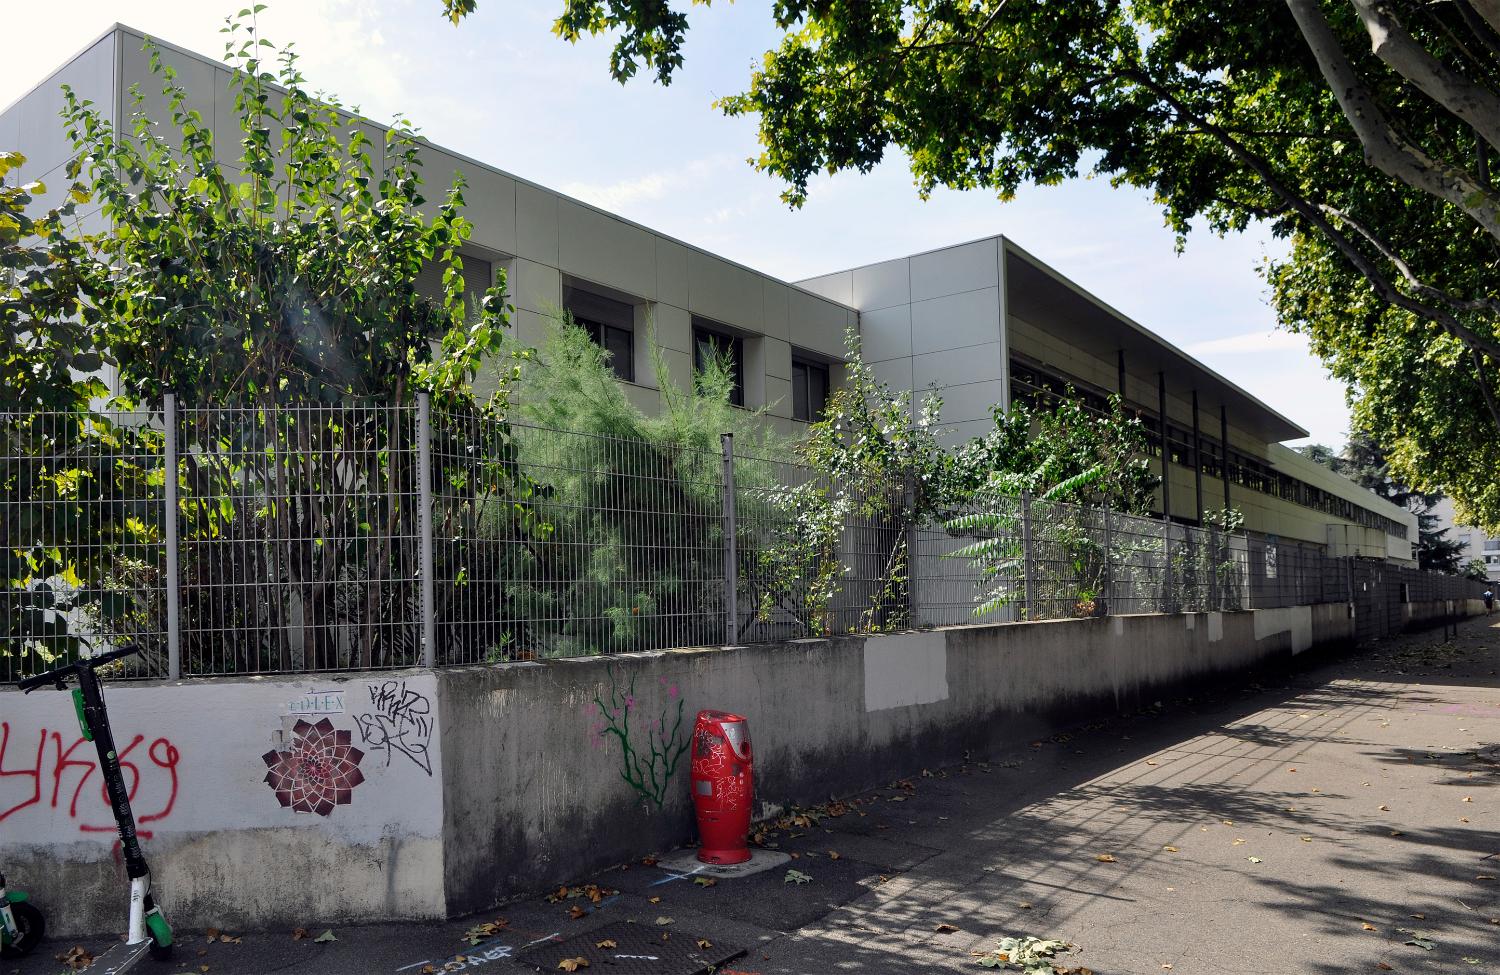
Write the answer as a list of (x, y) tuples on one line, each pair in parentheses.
[(1337, 819)]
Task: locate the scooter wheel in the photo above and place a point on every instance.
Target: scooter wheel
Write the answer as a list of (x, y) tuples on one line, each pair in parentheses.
[(161, 952), (32, 925)]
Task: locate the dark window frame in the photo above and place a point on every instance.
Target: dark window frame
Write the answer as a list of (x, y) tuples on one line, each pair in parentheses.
[(802, 406), (616, 338), (722, 342)]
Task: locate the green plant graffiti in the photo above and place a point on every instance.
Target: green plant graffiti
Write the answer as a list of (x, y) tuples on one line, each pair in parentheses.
[(646, 763)]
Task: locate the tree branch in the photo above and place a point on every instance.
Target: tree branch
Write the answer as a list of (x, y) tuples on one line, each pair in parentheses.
[(1384, 288), (1392, 43), (1417, 285), (1385, 148)]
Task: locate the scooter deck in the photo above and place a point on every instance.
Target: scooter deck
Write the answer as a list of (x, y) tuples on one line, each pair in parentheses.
[(120, 958)]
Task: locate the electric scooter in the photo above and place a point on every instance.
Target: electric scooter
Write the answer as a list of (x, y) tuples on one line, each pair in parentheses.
[(21, 924), (149, 930)]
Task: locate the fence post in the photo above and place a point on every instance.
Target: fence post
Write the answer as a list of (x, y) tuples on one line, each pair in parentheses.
[(169, 522), (1109, 563), (424, 514), (909, 502), (1028, 558), (731, 558), (1213, 569), (1169, 605)]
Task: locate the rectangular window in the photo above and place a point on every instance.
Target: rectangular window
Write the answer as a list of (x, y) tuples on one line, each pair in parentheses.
[(710, 344), (809, 389), (479, 274), (610, 323)]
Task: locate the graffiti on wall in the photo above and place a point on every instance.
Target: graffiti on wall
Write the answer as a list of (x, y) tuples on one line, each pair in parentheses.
[(649, 751), (53, 770), (317, 771), (400, 723)]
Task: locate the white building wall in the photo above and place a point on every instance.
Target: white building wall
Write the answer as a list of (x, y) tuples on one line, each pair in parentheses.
[(934, 321)]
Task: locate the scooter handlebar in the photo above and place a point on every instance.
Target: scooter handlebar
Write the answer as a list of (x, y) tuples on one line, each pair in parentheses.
[(58, 675)]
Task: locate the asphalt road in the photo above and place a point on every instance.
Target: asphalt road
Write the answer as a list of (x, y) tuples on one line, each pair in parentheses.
[(1335, 819)]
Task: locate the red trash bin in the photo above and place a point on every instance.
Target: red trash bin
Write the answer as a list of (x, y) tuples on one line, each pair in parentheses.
[(722, 786)]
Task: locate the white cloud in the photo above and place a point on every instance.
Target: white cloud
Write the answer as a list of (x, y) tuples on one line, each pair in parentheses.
[(1276, 340)]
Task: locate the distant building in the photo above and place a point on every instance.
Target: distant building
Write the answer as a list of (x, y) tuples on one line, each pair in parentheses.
[(984, 322), (1477, 545)]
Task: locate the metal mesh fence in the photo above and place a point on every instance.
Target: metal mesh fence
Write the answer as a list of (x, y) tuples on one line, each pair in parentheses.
[(84, 554), (356, 536)]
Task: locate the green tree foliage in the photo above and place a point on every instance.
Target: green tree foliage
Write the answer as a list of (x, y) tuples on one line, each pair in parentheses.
[(278, 271), (620, 511), (1364, 463), (1476, 569), (1363, 131)]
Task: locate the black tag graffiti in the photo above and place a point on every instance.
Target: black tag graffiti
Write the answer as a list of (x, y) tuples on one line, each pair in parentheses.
[(401, 722)]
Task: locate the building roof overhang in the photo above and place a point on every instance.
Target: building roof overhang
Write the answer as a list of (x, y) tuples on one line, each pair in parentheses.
[(1047, 299)]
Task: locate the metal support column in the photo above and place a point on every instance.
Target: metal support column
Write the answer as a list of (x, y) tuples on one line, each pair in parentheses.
[(169, 523), (1120, 387), (424, 514), (1197, 461), (731, 557), (1166, 447), (1224, 451)]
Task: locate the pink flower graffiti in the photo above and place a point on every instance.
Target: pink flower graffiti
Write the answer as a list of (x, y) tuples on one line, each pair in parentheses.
[(318, 772)]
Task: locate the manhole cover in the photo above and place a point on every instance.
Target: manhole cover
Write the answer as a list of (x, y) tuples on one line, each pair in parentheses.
[(637, 950)]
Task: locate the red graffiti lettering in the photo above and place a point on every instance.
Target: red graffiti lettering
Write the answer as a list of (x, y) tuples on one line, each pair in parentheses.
[(161, 788), (35, 772)]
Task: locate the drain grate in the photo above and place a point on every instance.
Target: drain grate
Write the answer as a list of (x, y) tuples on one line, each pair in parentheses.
[(638, 950)]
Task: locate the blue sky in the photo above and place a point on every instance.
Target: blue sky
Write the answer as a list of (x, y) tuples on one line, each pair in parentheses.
[(504, 89)]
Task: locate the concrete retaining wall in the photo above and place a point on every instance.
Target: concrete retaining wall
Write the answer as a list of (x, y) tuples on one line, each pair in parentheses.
[(475, 784)]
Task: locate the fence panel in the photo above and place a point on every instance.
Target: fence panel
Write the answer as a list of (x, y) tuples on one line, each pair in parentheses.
[(299, 531), (81, 508)]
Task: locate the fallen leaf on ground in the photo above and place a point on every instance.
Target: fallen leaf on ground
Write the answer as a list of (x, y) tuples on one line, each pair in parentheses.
[(704, 881), (1385, 808), (573, 964), (1370, 927), (1253, 859), (606, 943), (77, 958), (230, 939), (663, 920), (1468, 798), (213, 934), (946, 928), (299, 933), (1170, 849), (1106, 858), (576, 911), (649, 861), (1417, 917), (1384, 967), (654, 900), (705, 944), (325, 937), (834, 854), (1305, 839), (1024, 905), (796, 877)]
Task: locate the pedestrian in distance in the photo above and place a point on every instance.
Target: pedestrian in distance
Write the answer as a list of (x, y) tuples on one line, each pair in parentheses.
[(1489, 601)]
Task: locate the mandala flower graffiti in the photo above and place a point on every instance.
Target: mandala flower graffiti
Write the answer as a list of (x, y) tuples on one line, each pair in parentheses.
[(317, 772)]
